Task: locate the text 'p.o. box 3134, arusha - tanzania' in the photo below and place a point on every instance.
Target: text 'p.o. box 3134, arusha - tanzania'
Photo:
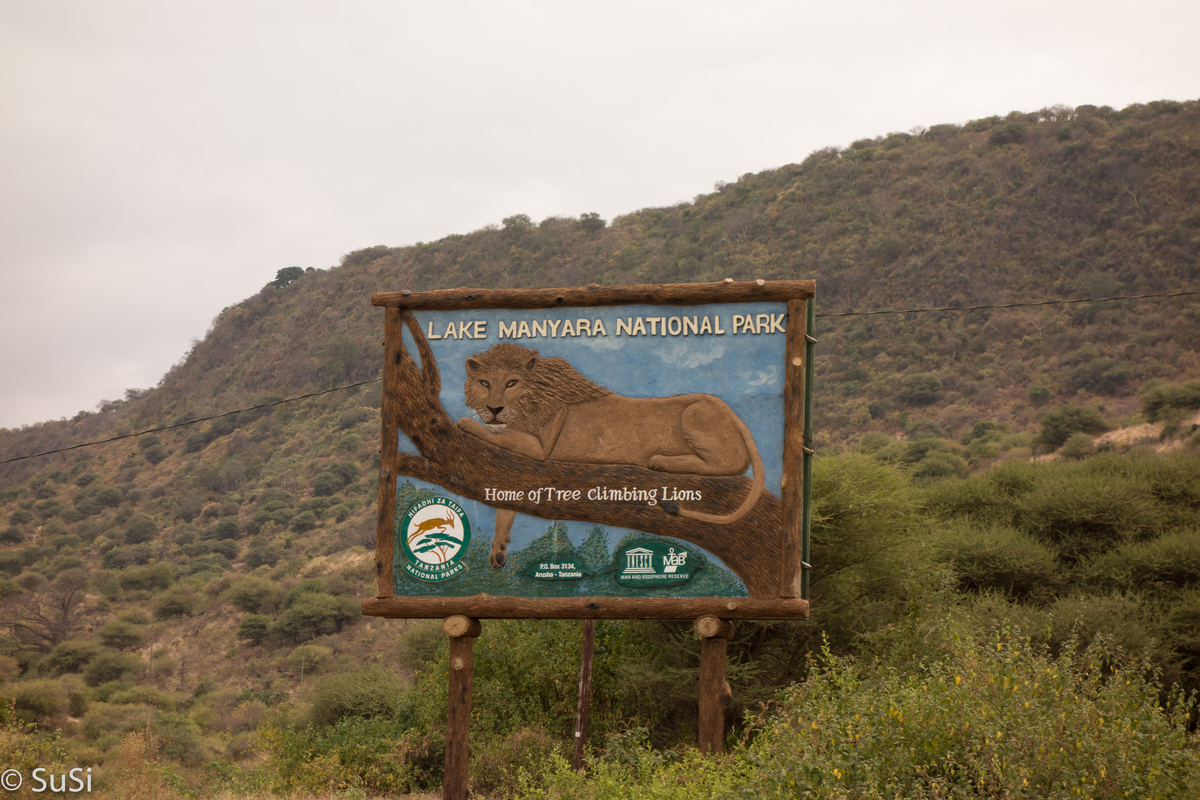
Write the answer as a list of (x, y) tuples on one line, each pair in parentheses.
[(599, 452)]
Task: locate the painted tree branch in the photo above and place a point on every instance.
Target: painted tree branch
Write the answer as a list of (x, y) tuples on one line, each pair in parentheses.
[(467, 465)]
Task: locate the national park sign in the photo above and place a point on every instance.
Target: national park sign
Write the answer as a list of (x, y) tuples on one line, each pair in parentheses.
[(601, 452)]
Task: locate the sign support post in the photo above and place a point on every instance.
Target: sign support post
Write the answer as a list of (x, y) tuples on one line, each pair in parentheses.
[(714, 690), (462, 632), (585, 691)]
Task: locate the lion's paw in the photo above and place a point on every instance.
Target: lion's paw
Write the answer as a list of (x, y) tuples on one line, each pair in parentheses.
[(471, 425), (498, 558)]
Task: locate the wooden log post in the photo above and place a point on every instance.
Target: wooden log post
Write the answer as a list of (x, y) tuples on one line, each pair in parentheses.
[(714, 691), (585, 692), (462, 632)]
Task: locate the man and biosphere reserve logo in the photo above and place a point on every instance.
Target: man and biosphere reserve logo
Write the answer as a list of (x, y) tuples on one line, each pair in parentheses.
[(435, 534)]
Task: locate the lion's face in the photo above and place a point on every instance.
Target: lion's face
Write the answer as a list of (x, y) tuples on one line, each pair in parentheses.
[(497, 382)]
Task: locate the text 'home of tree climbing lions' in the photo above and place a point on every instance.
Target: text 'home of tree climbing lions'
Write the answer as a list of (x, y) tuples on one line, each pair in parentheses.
[(623, 494)]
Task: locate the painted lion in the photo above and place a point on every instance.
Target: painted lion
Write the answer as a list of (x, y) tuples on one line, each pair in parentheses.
[(545, 409)]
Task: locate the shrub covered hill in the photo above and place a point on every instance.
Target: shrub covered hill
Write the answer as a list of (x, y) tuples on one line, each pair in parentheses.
[(205, 579), (1056, 204)]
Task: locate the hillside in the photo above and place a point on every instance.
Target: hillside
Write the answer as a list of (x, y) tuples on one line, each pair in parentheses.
[(1053, 204), (202, 575)]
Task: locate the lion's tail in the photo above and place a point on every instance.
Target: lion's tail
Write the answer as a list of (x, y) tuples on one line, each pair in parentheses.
[(755, 488)]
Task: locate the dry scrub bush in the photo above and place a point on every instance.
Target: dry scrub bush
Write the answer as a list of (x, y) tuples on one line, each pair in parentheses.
[(990, 717), (136, 774)]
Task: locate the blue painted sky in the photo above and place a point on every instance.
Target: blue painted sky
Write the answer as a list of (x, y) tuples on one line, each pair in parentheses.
[(743, 369)]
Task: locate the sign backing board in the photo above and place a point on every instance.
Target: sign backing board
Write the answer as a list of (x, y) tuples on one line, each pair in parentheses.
[(609, 452)]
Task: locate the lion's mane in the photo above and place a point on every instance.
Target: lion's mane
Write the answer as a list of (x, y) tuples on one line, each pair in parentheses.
[(552, 384)]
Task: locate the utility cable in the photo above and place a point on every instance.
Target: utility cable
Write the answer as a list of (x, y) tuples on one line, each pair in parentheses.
[(190, 421), (377, 380), (1006, 305)]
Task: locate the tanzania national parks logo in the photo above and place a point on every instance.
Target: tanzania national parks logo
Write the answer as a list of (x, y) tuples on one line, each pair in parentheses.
[(434, 535)]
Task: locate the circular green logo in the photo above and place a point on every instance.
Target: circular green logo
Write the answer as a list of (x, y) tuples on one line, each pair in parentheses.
[(434, 536)]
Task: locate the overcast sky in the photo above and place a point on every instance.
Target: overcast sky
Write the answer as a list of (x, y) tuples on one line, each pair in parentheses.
[(162, 160)]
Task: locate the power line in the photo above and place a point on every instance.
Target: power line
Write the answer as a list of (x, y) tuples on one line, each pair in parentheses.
[(1006, 305), (377, 380), (189, 422)]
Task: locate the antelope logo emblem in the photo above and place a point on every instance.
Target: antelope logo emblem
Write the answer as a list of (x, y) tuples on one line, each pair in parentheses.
[(434, 534)]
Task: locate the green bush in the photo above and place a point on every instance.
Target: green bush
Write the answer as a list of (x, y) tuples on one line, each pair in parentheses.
[(141, 529), (1059, 424), (275, 508), (178, 738), (1000, 558), (143, 695), (1159, 398), (178, 601), (309, 586), (1012, 133), (326, 483), (108, 667), (37, 700), (120, 635), (254, 628), (1170, 562), (346, 471), (380, 755), (1078, 446), (999, 718), (122, 557), (499, 765), (422, 643), (937, 464), (261, 555), (309, 658), (920, 389), (225, 548), (156, 454), (11, 564), (1085, 511), (69, 656), (367, 691), (304, 521), (1121, 618), (148, 578), (869, 557), (254, 595), (316, 614), (114, 721), (1182, 631), (1099, 376), (526, 675)]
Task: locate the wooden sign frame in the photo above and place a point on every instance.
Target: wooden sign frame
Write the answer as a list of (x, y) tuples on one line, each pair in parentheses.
[(411, 385)]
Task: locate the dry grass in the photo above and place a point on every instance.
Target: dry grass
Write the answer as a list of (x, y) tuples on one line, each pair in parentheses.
[(137, 774)]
